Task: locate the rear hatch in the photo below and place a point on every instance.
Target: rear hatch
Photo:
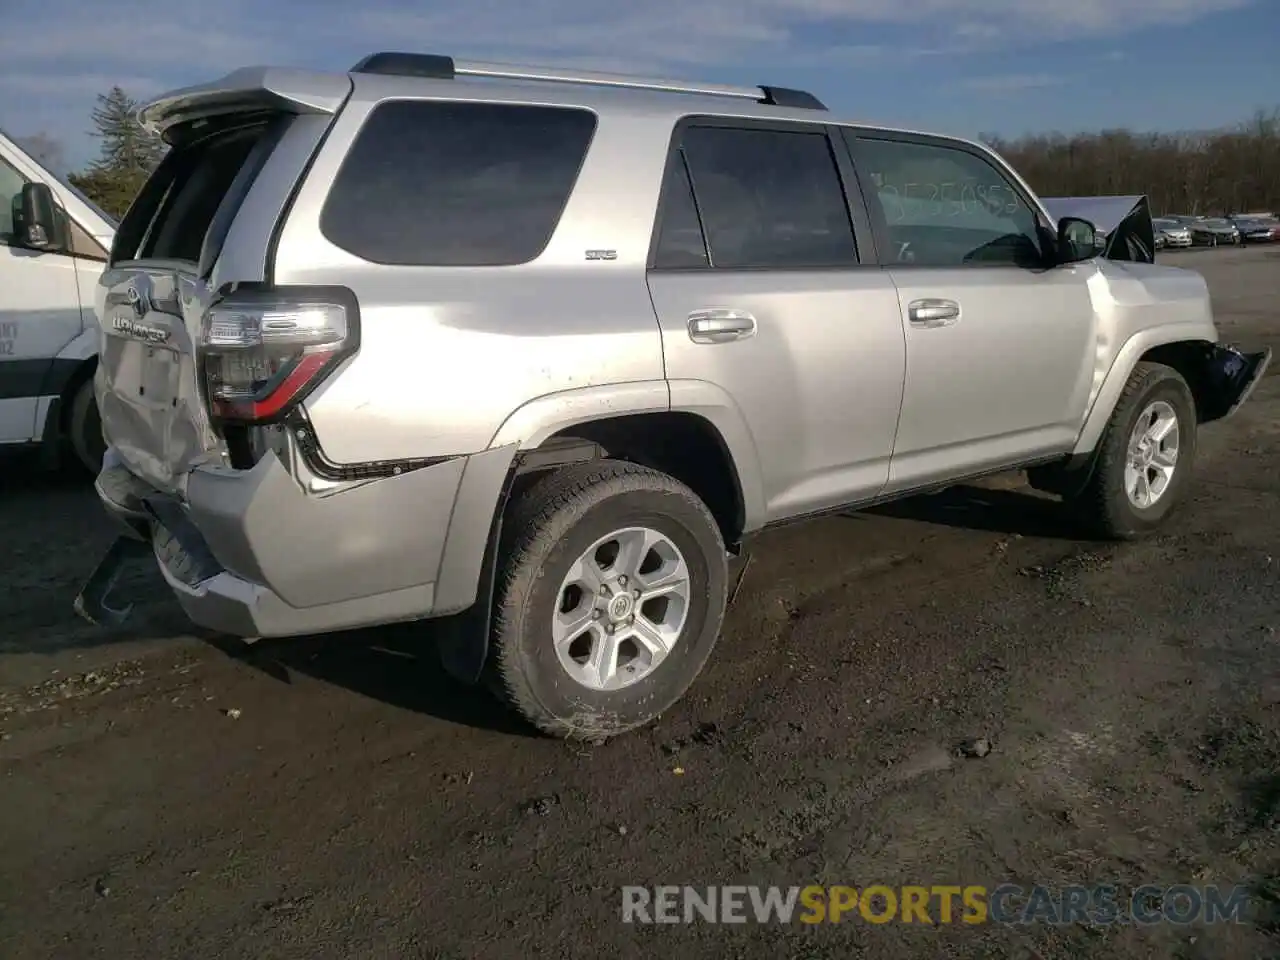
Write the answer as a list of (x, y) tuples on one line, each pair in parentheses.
[(167, 263)]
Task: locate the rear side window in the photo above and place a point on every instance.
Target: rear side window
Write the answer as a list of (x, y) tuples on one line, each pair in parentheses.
[(440, 183), (681, 242)]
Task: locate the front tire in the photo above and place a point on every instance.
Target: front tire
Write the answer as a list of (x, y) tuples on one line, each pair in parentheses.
[(84, 429), (610, 597), (1145, 456)]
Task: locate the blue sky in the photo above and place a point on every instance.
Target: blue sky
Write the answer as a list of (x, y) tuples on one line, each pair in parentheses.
[(959, 66)]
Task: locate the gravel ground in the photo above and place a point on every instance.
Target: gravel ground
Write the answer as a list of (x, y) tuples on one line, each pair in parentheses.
[(166, 795)]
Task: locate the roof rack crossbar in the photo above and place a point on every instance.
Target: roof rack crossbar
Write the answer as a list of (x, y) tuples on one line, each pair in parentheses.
[(440, 67)]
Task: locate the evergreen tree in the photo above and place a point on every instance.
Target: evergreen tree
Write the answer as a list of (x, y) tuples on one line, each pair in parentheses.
[(128, 153)]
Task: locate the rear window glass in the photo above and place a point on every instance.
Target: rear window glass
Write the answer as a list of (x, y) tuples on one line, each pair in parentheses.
[(437, 183), (185, 209)]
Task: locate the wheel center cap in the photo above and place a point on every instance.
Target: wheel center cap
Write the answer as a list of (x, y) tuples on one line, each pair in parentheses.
[(620, 607)]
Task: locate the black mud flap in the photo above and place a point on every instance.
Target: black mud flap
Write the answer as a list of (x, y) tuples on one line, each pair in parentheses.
[(94, 600), (463, 638), (1229, 378)]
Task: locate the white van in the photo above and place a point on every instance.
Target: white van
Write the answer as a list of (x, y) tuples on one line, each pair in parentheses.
[(48, 334)]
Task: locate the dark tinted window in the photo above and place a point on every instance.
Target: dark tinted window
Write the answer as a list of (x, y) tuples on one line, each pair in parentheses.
[(769, 198), (11, 184), (200, 176), (456, 184), (680, 239), (947, 207)]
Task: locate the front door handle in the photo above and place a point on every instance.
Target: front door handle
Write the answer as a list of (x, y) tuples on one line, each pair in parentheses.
[(933, 313), (720, 325)]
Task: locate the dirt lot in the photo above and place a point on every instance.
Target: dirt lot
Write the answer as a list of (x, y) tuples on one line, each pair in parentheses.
[(164, 797)]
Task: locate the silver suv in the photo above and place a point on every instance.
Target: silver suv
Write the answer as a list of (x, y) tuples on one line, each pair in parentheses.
[(531, 352)]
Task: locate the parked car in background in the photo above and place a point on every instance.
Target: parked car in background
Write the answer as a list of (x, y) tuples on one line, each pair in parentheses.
[(1257, 229), (1214, 231), (53, 246), (1171, 233)]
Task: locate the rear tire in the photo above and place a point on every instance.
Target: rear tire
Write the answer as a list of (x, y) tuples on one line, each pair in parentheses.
[(582, 543), (1138, 479), (85, 429)]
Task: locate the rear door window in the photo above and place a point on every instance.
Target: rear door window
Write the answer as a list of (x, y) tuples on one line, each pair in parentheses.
[(442, 183), (766, 198)]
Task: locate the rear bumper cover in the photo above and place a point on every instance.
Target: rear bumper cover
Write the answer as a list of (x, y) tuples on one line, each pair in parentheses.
[(250, 553)]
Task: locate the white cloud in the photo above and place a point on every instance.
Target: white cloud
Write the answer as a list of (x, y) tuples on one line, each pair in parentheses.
[(146, 45)]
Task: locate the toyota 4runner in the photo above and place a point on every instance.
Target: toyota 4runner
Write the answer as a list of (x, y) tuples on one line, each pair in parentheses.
[(531, 352)]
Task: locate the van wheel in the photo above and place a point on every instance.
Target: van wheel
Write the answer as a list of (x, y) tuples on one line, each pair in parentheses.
[(609, 599), (1145, 455), (85, 429)]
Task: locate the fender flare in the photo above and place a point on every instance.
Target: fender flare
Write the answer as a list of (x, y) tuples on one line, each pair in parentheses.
[(1122, 367), (531, 424), (463, 638)]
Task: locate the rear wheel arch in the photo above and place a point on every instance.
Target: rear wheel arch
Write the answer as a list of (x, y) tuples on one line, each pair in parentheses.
[(685, 446), (682, 445)]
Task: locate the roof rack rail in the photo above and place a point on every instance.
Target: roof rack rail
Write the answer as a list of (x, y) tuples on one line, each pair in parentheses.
[(438, 67)]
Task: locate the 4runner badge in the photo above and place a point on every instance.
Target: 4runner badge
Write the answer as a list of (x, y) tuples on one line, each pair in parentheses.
[(139, 331), (138, 293)]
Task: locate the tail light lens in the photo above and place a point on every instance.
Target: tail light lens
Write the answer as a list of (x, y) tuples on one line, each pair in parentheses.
[(262, 356)]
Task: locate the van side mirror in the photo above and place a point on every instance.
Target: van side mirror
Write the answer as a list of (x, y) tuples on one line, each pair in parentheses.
[(39, 220), (1077, 240)]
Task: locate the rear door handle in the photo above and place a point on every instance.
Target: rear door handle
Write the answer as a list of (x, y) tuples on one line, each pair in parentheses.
[(720, 325), (933, 313)]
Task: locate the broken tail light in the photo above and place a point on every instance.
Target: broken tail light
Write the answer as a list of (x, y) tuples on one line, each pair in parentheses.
[(262, 354)]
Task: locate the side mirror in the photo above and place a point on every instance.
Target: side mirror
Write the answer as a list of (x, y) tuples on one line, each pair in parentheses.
[(38, 218), (1077, 240)]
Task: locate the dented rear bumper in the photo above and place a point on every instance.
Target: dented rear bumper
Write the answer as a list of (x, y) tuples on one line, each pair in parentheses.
[(250, 553)]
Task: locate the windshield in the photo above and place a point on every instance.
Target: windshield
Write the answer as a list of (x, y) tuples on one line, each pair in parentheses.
[(62, 181)]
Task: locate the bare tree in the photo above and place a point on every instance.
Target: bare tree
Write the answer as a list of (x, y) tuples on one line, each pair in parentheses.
[(1225, 171)]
